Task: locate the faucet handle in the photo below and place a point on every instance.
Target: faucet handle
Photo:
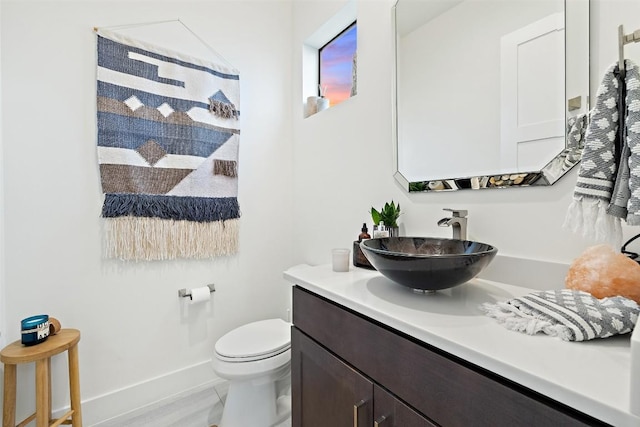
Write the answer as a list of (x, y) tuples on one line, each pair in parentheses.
[(457, 213)]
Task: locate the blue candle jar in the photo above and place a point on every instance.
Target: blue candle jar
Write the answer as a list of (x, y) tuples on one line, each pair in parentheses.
[(35, 329)]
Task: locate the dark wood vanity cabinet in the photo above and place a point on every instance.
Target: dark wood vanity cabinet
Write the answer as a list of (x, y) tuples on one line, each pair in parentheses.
[(391, 412), (331, 393), (349, 370)]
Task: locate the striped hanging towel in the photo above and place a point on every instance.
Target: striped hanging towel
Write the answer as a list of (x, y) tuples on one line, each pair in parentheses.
[(608, 186), (632, 142), (596, 177)]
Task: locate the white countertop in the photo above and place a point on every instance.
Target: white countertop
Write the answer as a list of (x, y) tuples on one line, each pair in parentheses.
[(592, 376)]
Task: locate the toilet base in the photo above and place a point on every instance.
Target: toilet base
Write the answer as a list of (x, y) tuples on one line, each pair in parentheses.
[(254, 404)]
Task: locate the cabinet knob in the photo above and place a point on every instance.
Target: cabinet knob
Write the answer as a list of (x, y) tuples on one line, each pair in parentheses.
[(380, 422), (356, 409)]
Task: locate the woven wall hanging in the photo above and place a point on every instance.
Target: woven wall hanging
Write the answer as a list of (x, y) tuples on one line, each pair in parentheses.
[(168, 136)]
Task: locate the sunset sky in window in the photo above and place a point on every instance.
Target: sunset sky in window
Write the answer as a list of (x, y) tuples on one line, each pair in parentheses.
[(336, 61)]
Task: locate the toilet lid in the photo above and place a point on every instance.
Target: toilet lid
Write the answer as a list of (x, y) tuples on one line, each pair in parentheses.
[(255, 340)]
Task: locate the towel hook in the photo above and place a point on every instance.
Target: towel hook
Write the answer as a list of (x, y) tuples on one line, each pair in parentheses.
[(622, 40)]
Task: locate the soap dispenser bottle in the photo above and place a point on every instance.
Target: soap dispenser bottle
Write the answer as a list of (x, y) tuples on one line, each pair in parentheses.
[(364, 233), (359, 259)]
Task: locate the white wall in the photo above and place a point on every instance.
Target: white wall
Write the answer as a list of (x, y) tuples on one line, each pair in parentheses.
[(3, 340), (343, 156), (606, 15), (2, 296), (140, 342)]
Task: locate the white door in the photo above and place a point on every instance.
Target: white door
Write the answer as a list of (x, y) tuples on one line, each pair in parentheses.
[(532, 76)]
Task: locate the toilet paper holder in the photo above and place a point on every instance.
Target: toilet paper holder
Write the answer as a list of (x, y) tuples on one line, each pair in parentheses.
[(183, 293)]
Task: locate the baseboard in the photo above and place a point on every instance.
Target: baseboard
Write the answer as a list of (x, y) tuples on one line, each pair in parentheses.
[(118, 406)]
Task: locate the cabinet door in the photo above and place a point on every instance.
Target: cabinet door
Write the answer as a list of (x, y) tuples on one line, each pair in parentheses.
[(391, 412), (325, 391)]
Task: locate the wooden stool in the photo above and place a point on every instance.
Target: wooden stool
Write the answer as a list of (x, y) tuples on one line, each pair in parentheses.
[(16, 353)]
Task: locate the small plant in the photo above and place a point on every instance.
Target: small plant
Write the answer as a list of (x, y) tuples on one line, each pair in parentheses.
[(388, 214), (418, 186)]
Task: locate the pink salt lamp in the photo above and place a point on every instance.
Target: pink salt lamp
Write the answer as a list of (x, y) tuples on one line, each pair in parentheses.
[(603, 272)]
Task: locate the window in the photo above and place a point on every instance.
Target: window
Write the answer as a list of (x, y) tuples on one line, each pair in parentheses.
[(338, 66)]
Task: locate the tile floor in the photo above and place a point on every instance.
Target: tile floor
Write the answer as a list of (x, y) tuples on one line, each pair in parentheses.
[(202, 409), (215, 414)]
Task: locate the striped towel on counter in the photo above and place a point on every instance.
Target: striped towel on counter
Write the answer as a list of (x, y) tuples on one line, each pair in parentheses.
[(568, 314)]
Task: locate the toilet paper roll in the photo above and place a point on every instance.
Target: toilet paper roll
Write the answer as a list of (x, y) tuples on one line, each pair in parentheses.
[(199, 295)]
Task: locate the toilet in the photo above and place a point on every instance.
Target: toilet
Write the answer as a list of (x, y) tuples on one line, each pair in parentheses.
[(256, 360)]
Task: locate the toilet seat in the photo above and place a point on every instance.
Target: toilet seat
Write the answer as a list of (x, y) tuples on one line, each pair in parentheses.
[(254, 341)]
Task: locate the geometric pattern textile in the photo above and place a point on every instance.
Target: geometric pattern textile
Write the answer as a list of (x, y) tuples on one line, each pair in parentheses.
[(608, 184), (626, 193), (598, 167), (632, 137), (587, 213), (571, 315), (158, 144)]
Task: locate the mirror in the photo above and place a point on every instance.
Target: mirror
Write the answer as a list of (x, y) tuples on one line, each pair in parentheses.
[(489, 93)]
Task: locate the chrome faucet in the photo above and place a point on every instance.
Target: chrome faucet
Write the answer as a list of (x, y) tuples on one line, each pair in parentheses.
[(458, 223)]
